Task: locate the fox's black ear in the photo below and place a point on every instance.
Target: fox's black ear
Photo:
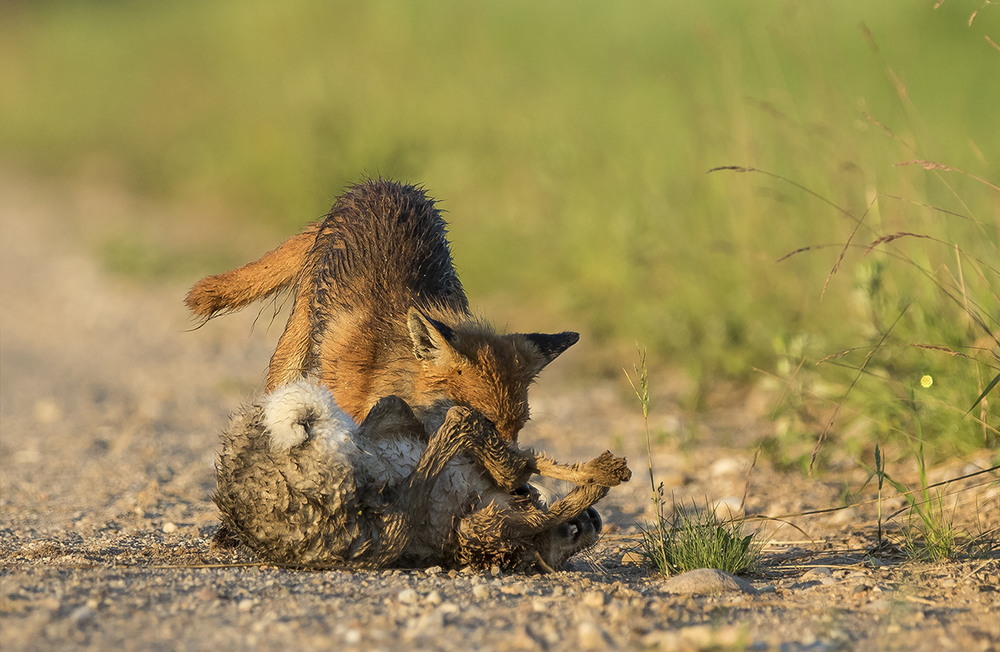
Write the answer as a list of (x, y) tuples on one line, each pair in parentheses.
[(550, 346), (431, 338)]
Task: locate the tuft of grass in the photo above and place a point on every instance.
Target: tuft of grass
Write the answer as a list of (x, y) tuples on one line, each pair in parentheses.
[(690, 537), (694, 537), (930, 531)]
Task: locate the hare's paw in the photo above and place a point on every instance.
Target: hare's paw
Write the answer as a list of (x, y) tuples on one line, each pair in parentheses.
[(609, 470)]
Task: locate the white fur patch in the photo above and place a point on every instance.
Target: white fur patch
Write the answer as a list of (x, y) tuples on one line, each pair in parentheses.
[(300, 409)]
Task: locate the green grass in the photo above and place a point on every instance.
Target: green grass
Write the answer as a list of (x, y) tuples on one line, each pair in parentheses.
[(929, 531), (694, 537), (691, 537), (571, 143)]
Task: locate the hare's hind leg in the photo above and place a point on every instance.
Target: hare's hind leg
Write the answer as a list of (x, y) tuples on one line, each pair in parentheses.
[(506, 466), (606, 470)]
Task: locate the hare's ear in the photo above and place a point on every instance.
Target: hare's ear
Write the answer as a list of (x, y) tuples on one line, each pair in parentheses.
[(390, 418), (431, 338), (549, 346)]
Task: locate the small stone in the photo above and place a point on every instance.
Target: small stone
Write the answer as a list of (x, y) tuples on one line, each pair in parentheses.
[(433, 570), (207, 594), (590, 636), (82, 615), (515, 588), (705, 581), (819, 571), (407, 596), (633, 558), (433, 598), (169, 527), (725, 466), (480, 592), (47, 411)]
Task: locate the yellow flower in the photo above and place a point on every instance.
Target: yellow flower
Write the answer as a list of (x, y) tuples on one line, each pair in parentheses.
[(926, 381)]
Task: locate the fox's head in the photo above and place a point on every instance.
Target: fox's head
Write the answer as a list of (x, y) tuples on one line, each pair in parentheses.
[(474, 366)]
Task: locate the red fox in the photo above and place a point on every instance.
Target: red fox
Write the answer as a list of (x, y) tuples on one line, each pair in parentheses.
[(379, 311)]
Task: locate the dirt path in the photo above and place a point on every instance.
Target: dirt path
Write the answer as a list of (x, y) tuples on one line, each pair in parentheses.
[(109, 412)]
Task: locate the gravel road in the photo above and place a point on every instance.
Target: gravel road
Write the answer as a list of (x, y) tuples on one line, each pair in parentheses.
[(110, 408)]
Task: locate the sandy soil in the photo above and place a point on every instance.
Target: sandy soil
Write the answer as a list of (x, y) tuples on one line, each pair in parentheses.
[(109, 418)]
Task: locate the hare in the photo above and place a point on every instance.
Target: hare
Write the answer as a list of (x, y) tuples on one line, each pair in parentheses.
[(301, 483)]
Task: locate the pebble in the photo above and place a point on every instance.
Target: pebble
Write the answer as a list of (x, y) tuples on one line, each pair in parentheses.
[(47, 411), (481, 592), (169, 527), (822, 574), (207, 594), (516, 588), (590, 636), (819, 571), (407, 596), (703, 581), (82, 615), (594, 599), (725, 466)]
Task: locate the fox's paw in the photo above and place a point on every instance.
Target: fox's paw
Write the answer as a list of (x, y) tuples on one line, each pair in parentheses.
[(466, 418), (458, 414), (608, 470)]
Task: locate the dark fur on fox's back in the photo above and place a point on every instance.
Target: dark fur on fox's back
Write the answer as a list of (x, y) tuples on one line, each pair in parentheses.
[(384, 243), (379, 310), (381, 252)]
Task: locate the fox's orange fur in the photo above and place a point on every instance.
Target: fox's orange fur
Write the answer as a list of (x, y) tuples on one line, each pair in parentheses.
[(379, 310)]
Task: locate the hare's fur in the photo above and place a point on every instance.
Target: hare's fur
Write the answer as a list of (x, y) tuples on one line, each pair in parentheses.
[(300, 482)]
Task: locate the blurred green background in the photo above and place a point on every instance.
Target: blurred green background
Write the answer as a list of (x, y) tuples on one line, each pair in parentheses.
[(571, 143)]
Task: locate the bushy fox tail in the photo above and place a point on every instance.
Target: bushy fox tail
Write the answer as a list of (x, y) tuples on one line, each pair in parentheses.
[(236, 289)]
